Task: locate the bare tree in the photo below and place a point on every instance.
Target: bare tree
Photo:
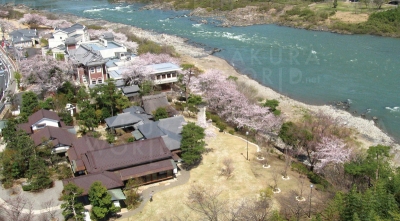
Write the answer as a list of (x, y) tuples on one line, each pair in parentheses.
[(292, 209), (275, 179), (288, 162), (228, 168), (17, 208), (301, 182), (251, 209), (50, 213), (205, 201)]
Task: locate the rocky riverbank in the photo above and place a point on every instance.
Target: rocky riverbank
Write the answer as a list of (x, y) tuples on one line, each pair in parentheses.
[(366, 132)]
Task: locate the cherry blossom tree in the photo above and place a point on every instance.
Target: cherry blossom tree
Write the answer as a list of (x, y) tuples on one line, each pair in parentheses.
[(223, 97), (4, 13), (45, 73), (33, 19), (138, 70), (36, 19), (331, 151), (7, 26)]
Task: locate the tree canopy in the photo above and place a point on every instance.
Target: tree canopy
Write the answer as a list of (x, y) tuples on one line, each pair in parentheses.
[(160, 113), (72, 208), (192, 143), (100, 199)]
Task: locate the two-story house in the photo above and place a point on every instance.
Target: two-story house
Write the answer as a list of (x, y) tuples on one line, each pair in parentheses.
[(41, 119), (91, 58), (24, 38)]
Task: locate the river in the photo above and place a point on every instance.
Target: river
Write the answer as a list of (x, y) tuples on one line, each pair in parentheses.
[(309, 66)]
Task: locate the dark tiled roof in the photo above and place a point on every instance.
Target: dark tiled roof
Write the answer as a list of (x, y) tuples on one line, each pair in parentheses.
[(169, 129), (126, 155), (40, 114), (172, 124), (108, 35), (146, 169), (60, 136), (150, 130), (25, 127), (85, 144), (122, 120), (134, 109), (73, 28), (130, 89), (109, 179), (152, 102)]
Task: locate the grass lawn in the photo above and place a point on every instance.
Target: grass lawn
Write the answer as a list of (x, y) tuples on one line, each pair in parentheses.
[(247, 180)]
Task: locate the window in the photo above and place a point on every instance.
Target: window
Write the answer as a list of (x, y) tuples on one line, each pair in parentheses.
[(94, 81), (60, 37), (158, 77), (99, 81), (39, 126), (98, 69), (164, 76), (173, 74), (91, 70)]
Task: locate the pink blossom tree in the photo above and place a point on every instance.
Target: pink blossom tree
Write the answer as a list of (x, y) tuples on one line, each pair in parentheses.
[(331, 151), (4, 13), (223, 97), (7, 26), (45, 73), (36, 20), (138, 69), (33, 19)]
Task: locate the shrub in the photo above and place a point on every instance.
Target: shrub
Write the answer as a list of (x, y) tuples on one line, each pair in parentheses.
[(299, 167), (318, 180), (131, 139), (221, 126), (110, 137), (26, 187), (215, 118), (63, 172), (277, 112), (231, 132), (94, 27)]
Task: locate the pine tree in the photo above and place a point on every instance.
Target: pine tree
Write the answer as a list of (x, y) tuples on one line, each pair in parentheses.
[(192, 143), (72, 208), (30, 104), (100, 199), (38, 174)]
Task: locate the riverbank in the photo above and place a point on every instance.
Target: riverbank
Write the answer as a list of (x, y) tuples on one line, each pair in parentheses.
[(366, 132), (347, 18)]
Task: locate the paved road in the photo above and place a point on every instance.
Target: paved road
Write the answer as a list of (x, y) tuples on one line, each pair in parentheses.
[(10, 67), (36, 200)]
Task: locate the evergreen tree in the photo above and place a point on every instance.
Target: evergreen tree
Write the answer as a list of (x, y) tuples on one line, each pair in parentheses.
[(192, 143), (30, 104), (39, 175), (87, 116), (72, 208), (16, 155), (100, 199), (160, 113), (8, 132)]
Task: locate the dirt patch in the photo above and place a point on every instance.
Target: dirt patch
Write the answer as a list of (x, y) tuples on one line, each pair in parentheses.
[(350, 17)]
